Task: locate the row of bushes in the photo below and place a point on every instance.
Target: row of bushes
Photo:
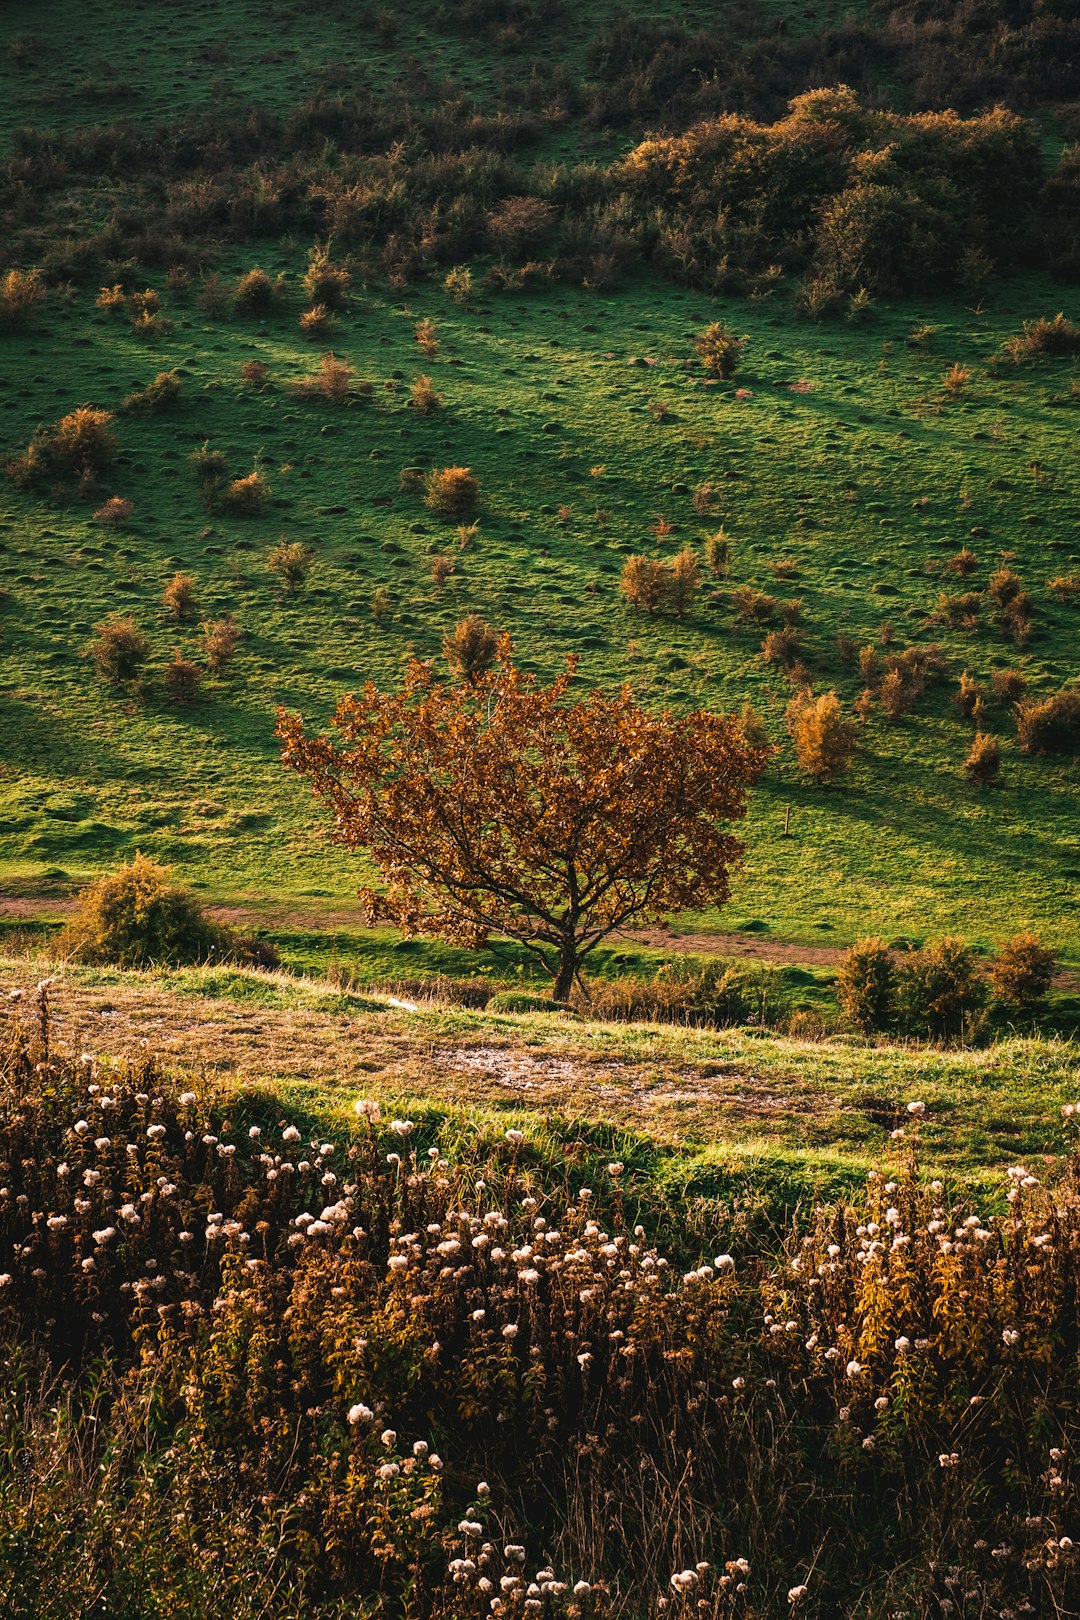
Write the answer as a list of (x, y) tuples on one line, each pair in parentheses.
[(851, 198)]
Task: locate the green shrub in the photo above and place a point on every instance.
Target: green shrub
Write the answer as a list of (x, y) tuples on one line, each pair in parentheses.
[(719, 349), (256, 294), (291, 561), (941, 990), (136, 917), (866, 985), (520, 1001)]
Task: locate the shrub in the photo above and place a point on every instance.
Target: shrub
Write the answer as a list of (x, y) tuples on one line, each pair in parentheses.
[(220, 638), (718, 549), (148, 325), (332, 382), (291, 561), (683, 582), (426, 338), (1042, 339), (452, 492), (179, 598), (442, 567), (163, 391), (983, 763), (119, 649), (255, 373), (968, 694), (719, 349), (1007, 685), (899, 692), (112, 299), (866, 985), (317, 322), (963, 564), (752, 606), (1004, 586), (137, 917), (940, 989), (246, 497), (459, 284), (115, 512), (1022, 972), (209, 466), (644, 582), (955, 380), (781, 647), (1051, 726), (423, 397), (182, 678), (324, 281), (825, 743), (256, 294), (22, 293), (517, 224), (470, 648), (752, 727), (1066, 588), (79, 445), (958, 612), (520, 1001)]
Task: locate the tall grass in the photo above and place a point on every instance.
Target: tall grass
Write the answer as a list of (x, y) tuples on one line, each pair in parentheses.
[(253, 1371)]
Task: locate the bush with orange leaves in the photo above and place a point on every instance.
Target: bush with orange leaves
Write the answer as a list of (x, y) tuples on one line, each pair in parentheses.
[(825, 742), (80, 445)]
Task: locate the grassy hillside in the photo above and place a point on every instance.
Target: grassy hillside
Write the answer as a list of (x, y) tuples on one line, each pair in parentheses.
[(846, 472), (865, 484)]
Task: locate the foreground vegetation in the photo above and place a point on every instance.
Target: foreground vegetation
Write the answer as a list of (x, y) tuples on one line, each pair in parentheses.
[(291, 1366)]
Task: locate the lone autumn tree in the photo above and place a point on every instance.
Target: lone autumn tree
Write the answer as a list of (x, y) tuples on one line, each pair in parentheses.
[(505, 808)]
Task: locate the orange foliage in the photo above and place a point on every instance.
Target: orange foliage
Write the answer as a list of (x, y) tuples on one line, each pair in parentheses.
[(501, 807)]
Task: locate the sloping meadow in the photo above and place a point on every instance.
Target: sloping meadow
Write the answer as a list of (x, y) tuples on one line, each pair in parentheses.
[(254, 1367)]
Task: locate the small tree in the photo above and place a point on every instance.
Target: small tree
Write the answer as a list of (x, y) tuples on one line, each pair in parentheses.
[(719, 349), (866, 985), (1022, 972), (119, 649), (644, 582), (220, 638), (825, 742), (182, 678), (683, 582), (718, 549), (501, 807), (470, 648), (423, 397), (291, 561), (179, 598), (940, 988)]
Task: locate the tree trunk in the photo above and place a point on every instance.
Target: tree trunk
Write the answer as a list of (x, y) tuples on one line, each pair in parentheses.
[(564, 979)]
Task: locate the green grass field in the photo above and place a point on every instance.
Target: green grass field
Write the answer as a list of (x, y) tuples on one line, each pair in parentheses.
[(866, 482)]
